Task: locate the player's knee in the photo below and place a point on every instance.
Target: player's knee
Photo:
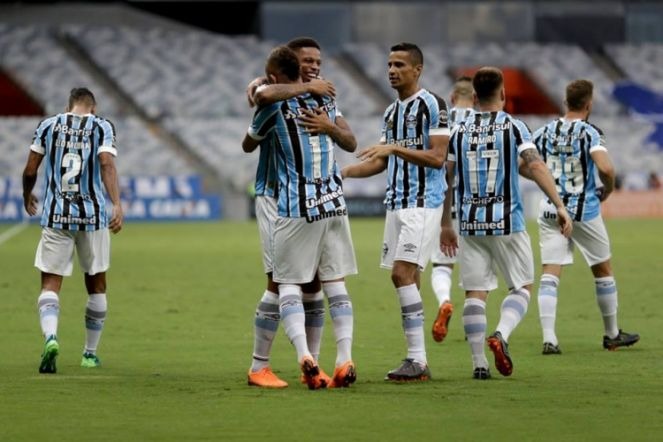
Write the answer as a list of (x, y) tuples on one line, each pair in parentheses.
[(602, 270), (402, 276)]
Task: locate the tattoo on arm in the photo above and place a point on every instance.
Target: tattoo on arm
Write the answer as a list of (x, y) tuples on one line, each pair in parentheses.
[(530, 155)]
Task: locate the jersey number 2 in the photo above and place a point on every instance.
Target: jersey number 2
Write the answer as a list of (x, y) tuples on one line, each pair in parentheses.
[(72, 162)]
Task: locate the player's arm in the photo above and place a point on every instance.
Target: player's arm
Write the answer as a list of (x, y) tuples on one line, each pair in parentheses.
[(317, 121), (249, 144), (433, 157), (540, 174), (109, 178), (365, 168), (29, 181), (606, 170), (448, 236), (273, 93)]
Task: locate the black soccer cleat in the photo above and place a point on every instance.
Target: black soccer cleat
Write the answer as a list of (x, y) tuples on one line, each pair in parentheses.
[(481, 373), (551, 349), (623, 339)]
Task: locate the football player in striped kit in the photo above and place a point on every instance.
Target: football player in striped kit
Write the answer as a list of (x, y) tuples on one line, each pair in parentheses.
[(574, 150), (486, 150), (462, 100), (78, 148), (413, 147), (262, 93), (311, 210)]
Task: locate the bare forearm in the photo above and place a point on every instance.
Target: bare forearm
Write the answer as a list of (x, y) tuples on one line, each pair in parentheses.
[(364, 169), (29, 181), (279, 92), (109, 178), (542, 177), (343, 136), (425, 158)]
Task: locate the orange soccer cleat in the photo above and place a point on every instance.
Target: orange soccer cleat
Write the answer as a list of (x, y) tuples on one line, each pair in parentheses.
[(266, 378), (311, 373), (344, 376), (441, 324)]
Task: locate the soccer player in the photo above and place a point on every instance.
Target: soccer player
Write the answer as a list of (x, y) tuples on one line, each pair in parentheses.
[(462, 100), (78, 147), (485, 151), (573, 150), (266, 323), (415, 135), (311, 211)]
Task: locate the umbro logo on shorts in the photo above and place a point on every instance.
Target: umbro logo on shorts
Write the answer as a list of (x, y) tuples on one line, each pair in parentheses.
[(410, 248)]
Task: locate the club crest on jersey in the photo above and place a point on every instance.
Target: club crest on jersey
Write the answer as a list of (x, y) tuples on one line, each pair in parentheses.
[(390, 124), (443, 117), (411, 121)]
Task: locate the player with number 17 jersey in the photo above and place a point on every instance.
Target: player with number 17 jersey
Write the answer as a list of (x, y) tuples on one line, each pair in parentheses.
[(483, 148), (74, 196)]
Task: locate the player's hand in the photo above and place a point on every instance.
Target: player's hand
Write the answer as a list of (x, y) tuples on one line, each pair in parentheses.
[(316, 121), (117, 216), (251, 89), (449, 241), (564, 221), (375, 152), (602, 194), (30, 203), (319, 86)]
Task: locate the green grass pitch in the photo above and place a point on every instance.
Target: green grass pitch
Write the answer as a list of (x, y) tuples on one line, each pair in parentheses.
[(178, 342)]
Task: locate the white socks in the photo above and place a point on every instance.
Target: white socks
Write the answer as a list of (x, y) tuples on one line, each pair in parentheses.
[(512, 312), (548, 306), (314, 313), (49, 310), (441, 282), (474, 323), (340, 309), (292, 318), (265, 325), (412, 314), (95, 315), (606, 297)]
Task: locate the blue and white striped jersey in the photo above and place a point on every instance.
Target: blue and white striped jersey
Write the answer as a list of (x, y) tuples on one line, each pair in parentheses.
[(309, 181), (266, 180), (485, 149), (73, 191), (459, 114), (566, 147), (411, 123)]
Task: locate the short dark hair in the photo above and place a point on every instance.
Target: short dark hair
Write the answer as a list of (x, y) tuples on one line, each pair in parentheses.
[(578, 94), (415, 53), (81, 95), (284, 59), (486, 82), (303, 42), (463, 87)]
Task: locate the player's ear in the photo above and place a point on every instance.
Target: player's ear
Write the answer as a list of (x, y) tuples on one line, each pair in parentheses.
[(271, 78)]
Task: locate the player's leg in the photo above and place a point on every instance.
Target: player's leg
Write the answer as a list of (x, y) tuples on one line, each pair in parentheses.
[(513, 257), (478, 278), (267, 316), (94, 257), (314, 313), (593, 242), (441, 283), (547, 300), (54, 257), (295, 265), (412, 238), (265, 325), (337, 260), (556, 251)]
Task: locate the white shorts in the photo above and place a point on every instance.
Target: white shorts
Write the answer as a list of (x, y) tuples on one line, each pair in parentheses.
[(591, 237), (437, 257), (410, 235), (55, 252), (482, 255), (300, 249), (266, 214)]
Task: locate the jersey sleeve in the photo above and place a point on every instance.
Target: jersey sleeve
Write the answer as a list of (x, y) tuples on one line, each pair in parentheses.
[(38, 141), (453, 141), (386, 119), (537, 138), (439, 123), (107, 137), (264, 121), (522, 135), (596, 139)]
